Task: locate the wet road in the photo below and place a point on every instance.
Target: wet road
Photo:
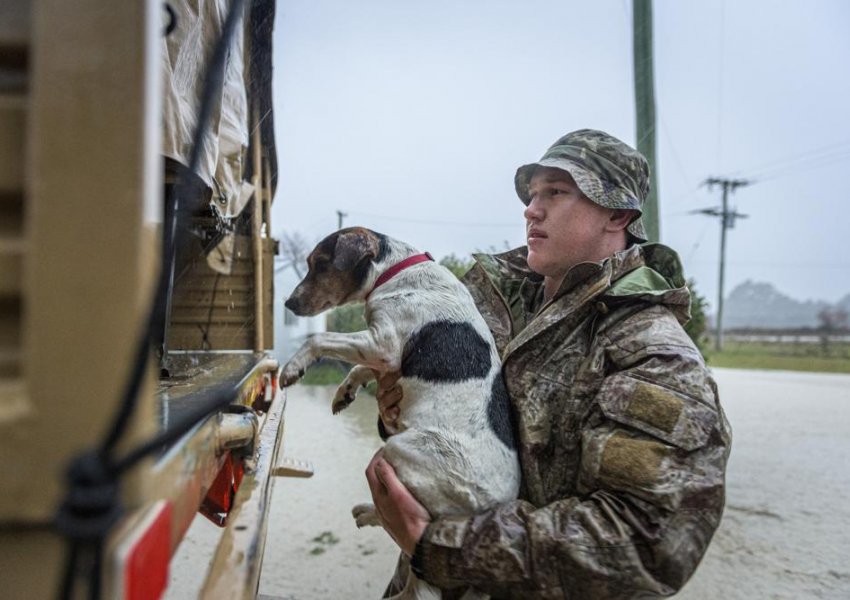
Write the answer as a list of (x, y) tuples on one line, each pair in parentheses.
[(785, 533), (786, 529)]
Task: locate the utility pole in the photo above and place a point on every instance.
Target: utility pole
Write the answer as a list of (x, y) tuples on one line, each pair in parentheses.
[(645, 109), (727, 221), (340, 215)]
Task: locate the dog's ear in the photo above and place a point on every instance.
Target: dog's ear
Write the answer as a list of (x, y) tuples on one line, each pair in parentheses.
[(352, 247)]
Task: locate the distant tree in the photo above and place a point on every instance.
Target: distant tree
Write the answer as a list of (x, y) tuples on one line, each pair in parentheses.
[(294, 249), (456, 265), (346, 319), (831, 320), (697, 326)]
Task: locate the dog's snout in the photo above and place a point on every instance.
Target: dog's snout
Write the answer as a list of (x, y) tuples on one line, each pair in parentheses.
[(292, 304)]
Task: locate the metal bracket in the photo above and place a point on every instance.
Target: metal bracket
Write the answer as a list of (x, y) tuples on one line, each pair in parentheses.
[(293, 467)]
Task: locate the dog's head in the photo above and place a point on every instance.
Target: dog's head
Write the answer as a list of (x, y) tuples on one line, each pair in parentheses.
[(339, 270)]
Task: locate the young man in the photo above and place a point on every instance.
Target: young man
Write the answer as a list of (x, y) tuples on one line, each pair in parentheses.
[(622, 440)]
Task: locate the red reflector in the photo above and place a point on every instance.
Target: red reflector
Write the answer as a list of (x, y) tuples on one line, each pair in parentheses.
[(146, 563), (219, 499), (221, 491)]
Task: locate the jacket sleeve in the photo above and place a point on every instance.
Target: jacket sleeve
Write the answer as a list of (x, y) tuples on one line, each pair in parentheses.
[(650, 487)]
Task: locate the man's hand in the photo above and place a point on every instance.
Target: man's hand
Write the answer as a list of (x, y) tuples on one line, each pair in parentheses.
[(403, 517), (389, 395)]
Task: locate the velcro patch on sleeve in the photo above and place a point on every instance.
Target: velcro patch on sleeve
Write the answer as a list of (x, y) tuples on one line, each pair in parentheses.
[(659, 411), (654, 406), (631, 461)]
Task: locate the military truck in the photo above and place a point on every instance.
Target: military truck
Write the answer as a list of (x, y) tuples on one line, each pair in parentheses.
[(137, 172)]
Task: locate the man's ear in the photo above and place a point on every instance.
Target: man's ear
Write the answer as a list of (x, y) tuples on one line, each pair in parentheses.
[(620, 219), (353, 247)]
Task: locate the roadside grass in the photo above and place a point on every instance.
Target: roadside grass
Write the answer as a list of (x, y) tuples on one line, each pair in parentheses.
[(324, 374), (787, 356), (784, 356)]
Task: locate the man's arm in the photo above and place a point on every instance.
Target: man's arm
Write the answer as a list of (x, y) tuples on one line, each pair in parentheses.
[(401, 514), (651, 492)]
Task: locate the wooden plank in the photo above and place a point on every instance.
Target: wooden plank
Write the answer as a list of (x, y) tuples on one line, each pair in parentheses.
[(203, 314), (219, 337)]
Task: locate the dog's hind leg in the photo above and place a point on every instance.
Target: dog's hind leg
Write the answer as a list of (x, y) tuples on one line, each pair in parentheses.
[(347, 390), (365, 515)]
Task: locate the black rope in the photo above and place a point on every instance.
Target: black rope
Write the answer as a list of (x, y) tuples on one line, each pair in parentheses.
[(92, 505), (205, 330)]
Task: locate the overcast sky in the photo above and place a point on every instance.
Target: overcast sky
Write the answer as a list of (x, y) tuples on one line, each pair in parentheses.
[(412, 117)]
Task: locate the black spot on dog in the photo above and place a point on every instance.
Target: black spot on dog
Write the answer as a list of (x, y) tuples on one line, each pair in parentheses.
[(499, 413), (383, 246), (444, 351), (361, 271)]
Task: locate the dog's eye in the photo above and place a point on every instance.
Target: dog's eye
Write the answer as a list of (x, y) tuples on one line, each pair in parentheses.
[(320, 266)]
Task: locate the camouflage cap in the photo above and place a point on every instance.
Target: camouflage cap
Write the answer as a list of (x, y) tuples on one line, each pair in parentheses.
[(608, 171)]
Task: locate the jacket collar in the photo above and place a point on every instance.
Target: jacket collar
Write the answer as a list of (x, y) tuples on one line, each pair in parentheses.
[(656, 278)]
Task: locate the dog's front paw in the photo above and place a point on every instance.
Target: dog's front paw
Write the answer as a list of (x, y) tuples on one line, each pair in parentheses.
[(365, 515), (344, 396), (292, 372)]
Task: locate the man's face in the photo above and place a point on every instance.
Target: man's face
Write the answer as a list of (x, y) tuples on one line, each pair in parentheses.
[(563, 226)]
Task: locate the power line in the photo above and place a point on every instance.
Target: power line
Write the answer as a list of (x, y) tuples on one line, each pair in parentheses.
[(669, 138), (781, 167), (802, 166), (823, 151), (697, 243), (720, 83)]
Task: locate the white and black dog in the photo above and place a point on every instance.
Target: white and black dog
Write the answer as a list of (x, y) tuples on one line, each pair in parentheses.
[(454, 447)]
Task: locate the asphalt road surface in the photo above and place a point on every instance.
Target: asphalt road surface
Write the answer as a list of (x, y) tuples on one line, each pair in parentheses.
[(785, 532)]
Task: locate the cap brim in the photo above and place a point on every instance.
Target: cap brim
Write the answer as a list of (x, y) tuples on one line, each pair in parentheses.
[(590, 185), (526, 172)]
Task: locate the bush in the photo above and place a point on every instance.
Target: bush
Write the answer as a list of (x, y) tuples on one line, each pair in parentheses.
[(325, 373), (696, 327), (346, 319), (343, 319), (456, 265)]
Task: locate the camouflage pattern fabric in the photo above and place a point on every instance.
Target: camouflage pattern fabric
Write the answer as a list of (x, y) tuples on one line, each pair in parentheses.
[(623, 442), (609, 172)]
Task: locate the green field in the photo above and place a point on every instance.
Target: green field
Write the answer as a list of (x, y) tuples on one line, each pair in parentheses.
[(788, 356), (784, 356)]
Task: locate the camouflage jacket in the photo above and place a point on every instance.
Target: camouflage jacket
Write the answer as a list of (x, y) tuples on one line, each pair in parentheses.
[(622, 440)]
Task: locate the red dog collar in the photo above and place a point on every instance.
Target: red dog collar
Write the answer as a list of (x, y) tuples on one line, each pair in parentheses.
[(398, 268)]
